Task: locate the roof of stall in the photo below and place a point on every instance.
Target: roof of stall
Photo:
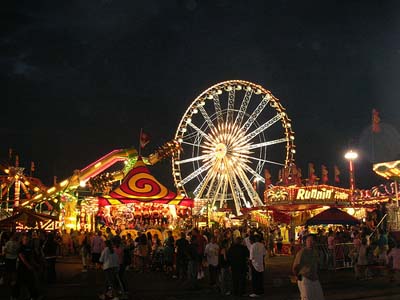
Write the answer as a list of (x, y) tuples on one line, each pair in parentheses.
[(139, 185)]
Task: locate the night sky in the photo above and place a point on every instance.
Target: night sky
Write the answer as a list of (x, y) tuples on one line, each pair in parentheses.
[(80, 78)]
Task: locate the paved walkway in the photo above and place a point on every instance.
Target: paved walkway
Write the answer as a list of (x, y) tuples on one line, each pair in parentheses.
[(72, 284)]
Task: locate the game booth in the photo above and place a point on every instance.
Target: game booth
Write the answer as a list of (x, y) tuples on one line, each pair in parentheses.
[(293, 207), (141, 203)]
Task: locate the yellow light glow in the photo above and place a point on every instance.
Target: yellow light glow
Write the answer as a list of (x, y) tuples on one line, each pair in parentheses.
[(7, 171), (388, 170), (64, 183), (98, 164), (52, 189), (82, 183), (38, 196), (351, 211), (27, 182)]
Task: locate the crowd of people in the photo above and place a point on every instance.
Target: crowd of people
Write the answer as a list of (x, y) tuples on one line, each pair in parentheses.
[(224, 257), (228, 258), (29, 261)]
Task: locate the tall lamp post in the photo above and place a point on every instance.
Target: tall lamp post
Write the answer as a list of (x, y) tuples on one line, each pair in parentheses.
[(351, 156)]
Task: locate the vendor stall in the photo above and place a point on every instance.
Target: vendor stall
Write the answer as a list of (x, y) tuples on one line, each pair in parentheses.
[(141, 202)]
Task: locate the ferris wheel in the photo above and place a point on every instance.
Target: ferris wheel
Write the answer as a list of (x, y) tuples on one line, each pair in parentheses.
[(229, 135)]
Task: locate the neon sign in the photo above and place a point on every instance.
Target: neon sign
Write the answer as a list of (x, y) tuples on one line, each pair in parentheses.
[(316, 194), (321, 194)]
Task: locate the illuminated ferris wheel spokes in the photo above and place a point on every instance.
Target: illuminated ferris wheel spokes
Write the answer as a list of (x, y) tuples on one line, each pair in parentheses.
[(226, 144)]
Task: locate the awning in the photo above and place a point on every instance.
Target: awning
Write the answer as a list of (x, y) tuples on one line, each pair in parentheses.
[(333, 215)]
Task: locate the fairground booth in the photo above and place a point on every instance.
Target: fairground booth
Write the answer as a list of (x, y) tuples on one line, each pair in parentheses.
[(316, 206), (141, 202)]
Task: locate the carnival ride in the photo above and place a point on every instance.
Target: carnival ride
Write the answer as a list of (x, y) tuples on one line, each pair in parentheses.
[(63, 199), (228, 134), (391, 171), (81, 177), (16, 186)]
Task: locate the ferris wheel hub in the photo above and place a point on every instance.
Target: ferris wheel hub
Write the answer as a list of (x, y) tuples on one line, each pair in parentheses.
[(220, 150)]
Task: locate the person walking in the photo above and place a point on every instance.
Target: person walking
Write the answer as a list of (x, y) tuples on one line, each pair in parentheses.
[(97, 246), (212, 253), (10, 250), (143, 252), (257, 254), (193, 263), (225, 269), (26, 271), (182, 256), (279, 242), (361, 266), (119, 250), (110, 264), (168, 251), (305, 268), (66, 243), (50, 255), (85, 252), (238, 256)]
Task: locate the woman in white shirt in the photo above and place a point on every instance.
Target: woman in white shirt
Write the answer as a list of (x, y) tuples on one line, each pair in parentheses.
[(257, 254), (110, 263), (11, 249)]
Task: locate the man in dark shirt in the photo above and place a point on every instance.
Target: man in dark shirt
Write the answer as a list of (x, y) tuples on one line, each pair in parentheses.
[(238, 255), (182, 253), (305, 268), (50, 254), (26, 270)]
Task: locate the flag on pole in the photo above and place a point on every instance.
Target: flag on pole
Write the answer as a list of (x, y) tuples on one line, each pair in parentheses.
[(17, 161), (324, 174), (144, 139), (376, 120), (336, 173), (311, 174), (32, 166)]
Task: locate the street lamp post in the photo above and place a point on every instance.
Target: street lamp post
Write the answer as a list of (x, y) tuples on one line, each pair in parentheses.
[(351, 156)]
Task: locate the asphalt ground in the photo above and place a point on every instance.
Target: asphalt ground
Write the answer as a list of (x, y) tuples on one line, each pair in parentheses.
[(73, 284)]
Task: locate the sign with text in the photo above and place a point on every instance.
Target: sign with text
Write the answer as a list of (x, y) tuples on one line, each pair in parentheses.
[(314, 194)]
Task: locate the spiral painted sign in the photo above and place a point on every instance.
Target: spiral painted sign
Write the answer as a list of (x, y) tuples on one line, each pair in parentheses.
[(139, 185)]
